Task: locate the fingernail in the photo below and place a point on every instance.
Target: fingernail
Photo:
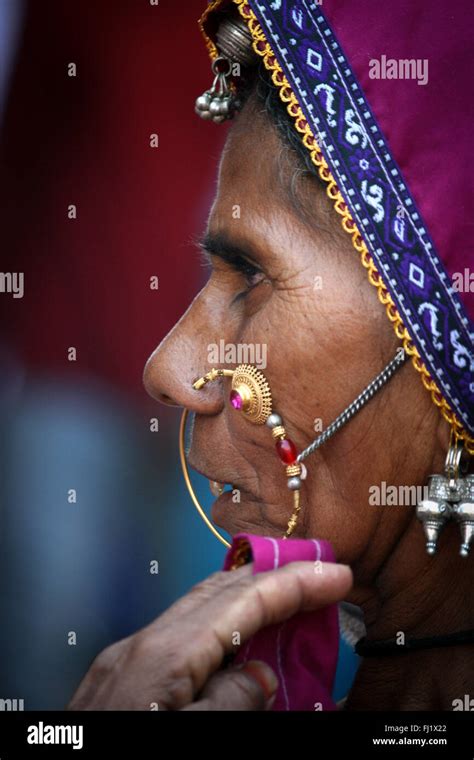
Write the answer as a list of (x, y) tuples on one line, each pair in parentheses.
[(334, 568), (264, 676)]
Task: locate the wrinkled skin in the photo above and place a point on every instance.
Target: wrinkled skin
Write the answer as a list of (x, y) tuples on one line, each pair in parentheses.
[(324, 344)]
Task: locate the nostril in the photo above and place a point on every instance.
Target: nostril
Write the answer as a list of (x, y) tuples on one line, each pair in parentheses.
[(167, 377), (152, 385)]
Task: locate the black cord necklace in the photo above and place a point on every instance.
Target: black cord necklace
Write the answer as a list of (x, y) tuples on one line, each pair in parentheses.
[(379, 648)]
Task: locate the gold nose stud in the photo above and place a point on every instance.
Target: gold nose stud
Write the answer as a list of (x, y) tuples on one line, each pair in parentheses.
[(250, 392)]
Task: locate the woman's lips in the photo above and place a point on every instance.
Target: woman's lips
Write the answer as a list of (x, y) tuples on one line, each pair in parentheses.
[(216, 485), (226, 511)]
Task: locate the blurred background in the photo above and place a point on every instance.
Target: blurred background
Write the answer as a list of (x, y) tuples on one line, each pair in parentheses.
[(90, 495)]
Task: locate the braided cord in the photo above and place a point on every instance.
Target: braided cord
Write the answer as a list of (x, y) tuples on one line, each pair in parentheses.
[(357, 404)]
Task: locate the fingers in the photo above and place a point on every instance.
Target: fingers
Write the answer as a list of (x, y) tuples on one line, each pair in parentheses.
[(239, 609), (272, 597), (250, 687), (203, 592), (170, 661), (98, 672)]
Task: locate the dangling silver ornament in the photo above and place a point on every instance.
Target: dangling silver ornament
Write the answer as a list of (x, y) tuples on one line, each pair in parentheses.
[(464, 514), (449, 496), (234, 42), (435, 511), (218, 103)]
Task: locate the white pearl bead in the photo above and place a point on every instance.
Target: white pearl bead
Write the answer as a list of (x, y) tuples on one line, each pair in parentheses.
[(294, 484), (274, 420)]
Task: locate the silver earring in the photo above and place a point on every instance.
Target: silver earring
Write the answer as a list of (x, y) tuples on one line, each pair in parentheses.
[(464, 514), (219, 102), (449, 495), (435, 511), (234, 43)]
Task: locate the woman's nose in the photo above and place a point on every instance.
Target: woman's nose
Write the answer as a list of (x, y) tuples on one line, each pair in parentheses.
[(180, 358)]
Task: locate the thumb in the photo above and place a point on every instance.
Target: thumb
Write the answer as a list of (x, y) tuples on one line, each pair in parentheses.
[(251, 686)]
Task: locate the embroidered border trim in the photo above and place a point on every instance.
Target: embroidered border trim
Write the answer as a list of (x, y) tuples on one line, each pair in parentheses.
[(264, 50)]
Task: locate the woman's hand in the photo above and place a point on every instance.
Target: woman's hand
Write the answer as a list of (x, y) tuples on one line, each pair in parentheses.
[(175, 661)]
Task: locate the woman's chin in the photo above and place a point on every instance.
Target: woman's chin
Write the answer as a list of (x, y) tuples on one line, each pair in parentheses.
[(235, 516), (222, 512), (244, 516)]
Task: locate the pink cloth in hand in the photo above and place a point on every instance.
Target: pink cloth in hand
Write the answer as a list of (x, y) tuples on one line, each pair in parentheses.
[(303, 650)]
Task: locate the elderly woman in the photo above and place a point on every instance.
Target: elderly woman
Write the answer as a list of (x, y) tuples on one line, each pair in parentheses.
[(340, 210)]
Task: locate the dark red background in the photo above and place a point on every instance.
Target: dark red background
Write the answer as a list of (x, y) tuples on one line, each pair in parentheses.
[(85, 140)]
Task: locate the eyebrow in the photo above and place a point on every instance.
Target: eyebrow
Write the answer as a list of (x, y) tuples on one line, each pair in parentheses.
[(219, 244)]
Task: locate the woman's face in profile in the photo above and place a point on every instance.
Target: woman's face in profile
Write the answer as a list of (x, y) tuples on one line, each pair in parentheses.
[(286, 279)]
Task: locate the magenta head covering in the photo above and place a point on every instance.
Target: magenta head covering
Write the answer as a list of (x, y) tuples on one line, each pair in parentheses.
[(380, 95)]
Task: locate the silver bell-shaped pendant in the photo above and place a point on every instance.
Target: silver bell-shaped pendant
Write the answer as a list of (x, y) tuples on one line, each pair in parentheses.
[(219, 102), (234, 43), (202, 105), (435, 511), (464, 515), (449, 496)]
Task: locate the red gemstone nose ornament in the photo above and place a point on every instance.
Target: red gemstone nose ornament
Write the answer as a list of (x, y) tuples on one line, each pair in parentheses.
[(286, 450), (236, 400)]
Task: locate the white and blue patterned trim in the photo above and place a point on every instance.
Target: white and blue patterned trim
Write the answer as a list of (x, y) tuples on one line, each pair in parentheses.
[(375, 192)]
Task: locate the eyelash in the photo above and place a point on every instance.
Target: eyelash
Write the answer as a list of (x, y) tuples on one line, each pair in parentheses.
[(238, 264)]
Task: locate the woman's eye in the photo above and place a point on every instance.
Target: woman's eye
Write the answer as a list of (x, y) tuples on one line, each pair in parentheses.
[(233, 261), (251, 274)]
